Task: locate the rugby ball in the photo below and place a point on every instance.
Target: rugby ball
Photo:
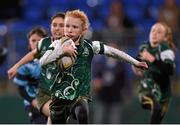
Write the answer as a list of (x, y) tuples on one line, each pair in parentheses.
[(66, 62)]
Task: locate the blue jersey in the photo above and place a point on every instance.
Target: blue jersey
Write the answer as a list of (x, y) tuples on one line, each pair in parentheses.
[(27, 77)]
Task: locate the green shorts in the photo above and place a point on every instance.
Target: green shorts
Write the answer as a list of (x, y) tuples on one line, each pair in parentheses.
[(148, 87), (42, 98)]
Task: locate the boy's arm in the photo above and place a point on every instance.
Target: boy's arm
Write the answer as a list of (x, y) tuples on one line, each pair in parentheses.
[(100, 48), (27, 58), (52, 54), (57, 51), (118, 54)]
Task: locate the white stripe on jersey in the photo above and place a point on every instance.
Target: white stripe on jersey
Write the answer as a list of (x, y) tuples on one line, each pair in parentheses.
[(96, 47), (167, 54)]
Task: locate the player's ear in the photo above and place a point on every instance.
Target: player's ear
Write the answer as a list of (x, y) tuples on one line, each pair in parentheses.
[(84, 31)]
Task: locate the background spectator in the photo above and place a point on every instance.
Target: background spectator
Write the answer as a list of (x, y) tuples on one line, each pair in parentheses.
[(110, 89)]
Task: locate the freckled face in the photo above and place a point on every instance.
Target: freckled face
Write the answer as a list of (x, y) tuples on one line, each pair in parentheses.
[(73, 28)]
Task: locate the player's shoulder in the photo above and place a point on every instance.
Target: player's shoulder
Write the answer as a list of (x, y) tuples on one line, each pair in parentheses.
[(144, 45), (87, 41), (44, 42), (46, 39), (89, 45)]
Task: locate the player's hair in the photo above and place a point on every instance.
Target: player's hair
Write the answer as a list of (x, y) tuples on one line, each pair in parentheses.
[(81, 15), (168, 35), (40, 31), (59, 14)]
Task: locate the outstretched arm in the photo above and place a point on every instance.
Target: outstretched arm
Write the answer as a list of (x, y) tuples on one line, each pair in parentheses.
[(118, 54), (27, 58)]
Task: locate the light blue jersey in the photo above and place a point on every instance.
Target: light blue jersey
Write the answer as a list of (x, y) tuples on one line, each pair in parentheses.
[(27, 77)]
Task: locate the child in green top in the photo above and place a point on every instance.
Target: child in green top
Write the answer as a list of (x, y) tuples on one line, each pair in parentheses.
[(154, 88), (71, 92)]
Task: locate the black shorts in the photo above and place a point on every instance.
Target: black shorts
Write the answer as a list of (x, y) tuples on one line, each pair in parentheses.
[(62, 109)]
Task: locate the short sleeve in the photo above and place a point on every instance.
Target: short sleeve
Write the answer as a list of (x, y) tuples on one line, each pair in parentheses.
[(98, 47)]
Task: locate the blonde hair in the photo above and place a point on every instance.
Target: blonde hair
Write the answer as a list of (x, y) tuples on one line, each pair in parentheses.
[(81, 15), (168, 35)]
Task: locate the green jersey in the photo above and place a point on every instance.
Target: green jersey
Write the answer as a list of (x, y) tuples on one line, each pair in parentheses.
[(75, 81), (158, 74), (47, 72)]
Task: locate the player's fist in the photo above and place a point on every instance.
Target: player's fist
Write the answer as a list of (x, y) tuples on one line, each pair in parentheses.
[(141, 65), (12, 72)]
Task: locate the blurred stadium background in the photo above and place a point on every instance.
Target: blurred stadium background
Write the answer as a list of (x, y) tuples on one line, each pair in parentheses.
[(17, 17)]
